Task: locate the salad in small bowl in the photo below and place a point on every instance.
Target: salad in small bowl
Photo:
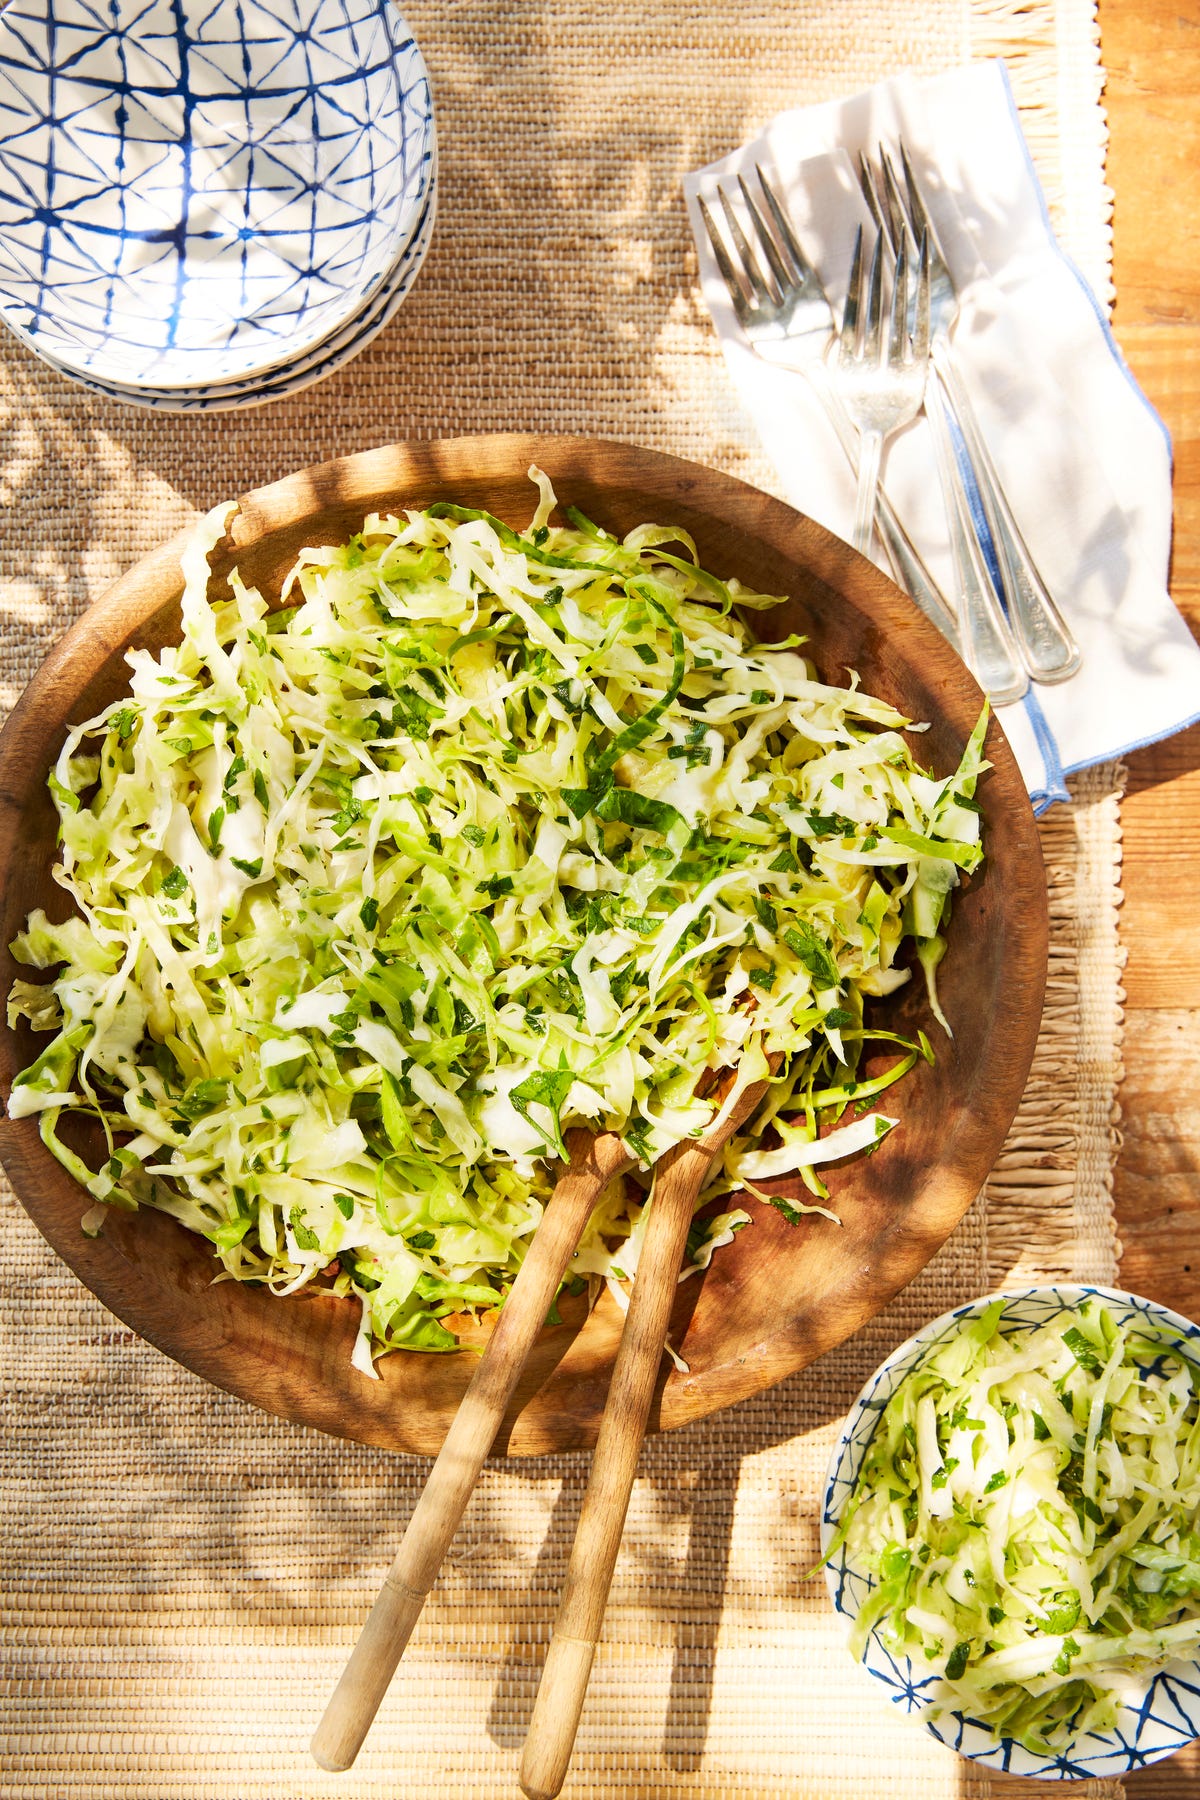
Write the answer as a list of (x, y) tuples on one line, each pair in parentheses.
[(1011, 1527)]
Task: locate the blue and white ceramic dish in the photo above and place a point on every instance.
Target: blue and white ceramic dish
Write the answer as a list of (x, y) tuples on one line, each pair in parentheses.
[(1166, 1715), (279, 384), (193, 194)]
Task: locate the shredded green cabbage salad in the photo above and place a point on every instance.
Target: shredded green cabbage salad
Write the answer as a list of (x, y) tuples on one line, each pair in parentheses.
[(480, 834), (1030, 1510)]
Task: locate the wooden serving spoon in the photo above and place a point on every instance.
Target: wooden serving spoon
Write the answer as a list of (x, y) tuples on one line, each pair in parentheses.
[(678, 1179), (594, 1162)]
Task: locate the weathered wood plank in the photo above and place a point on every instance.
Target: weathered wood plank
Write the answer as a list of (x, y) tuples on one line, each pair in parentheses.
[(1161, 817), (1151, 51), (1157, 1188), (1165, 359), (1160, 821)]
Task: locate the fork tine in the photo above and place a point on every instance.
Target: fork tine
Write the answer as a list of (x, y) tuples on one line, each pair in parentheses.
[(728, 272), (916, 202), (784, 281), (919, 213), (867, 181), (898, 211), (873, 335), (787, 236), (898, 350), (920, 335), (848, 336), (758, 287)]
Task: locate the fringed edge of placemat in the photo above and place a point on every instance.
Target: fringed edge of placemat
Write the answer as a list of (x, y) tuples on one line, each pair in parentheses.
[(1062, 115), (1053, 1182)]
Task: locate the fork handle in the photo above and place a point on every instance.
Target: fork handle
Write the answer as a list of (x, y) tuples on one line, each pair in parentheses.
[(870, 449), (568, 1666), (912, 575), (678, 1180), (907, 567), (1044, 640), (988, 648)]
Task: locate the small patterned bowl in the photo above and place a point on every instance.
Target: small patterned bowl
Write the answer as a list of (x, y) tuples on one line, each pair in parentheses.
[(193, 194), (279, 384), (1166, 1715)]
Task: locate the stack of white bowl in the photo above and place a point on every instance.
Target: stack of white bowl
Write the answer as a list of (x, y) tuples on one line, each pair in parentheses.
[(205, 204)]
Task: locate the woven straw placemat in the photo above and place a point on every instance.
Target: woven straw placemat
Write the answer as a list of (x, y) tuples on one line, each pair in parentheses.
[(184, 1576)]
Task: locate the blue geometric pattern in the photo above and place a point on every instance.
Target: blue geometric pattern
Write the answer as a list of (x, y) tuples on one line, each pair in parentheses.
[(328, 357), (1165, 1717), (192, 193)]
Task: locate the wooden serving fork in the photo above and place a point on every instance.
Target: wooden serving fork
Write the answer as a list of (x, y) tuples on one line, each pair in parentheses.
[(678, 1180), (594, 1162)]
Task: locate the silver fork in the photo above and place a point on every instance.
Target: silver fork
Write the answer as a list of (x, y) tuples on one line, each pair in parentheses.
[(987, 643), (1043, 639), (781, 307), (881, 380)]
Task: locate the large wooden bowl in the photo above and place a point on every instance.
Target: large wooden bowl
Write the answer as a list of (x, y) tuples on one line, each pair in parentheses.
[(779, 1295)]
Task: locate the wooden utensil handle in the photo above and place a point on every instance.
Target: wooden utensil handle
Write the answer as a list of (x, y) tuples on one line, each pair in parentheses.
[(364, 1681), (568, 1664)]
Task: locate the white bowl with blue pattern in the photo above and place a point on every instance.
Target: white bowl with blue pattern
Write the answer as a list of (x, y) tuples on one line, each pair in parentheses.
[(1166, 1714), (194, 194), (280, 384)]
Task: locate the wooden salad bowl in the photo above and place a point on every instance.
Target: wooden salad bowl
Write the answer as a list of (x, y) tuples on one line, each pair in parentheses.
[(779, 1295)]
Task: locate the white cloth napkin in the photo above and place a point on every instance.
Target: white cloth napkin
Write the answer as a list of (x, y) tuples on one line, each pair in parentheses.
[(1084, 459)]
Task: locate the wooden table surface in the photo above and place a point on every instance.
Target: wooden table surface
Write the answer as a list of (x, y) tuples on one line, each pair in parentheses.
[(1151, 51)]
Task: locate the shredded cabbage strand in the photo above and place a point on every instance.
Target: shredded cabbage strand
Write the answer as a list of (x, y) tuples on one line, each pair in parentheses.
[(1029, 1509), (479, 835)]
